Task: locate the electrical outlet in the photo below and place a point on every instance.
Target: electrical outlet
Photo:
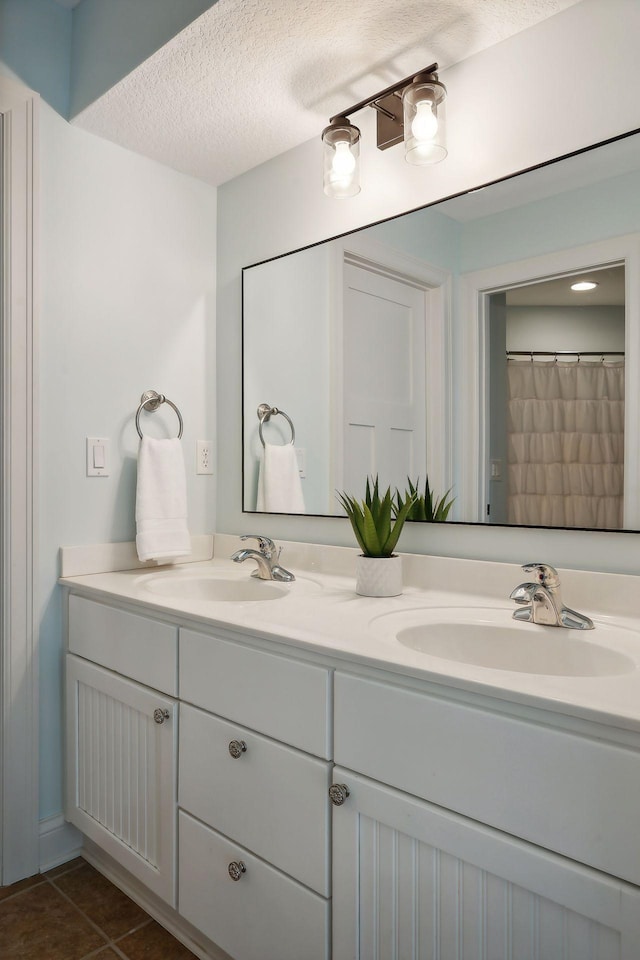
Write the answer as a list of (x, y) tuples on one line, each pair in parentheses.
[(204, 457)]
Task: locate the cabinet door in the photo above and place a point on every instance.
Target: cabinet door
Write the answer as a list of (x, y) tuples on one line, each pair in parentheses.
[(121, 771), (415, 882)]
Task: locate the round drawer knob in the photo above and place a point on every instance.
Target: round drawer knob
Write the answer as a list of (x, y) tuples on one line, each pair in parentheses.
[(160, 715), (338, 793), (237, 748), (236, 868)]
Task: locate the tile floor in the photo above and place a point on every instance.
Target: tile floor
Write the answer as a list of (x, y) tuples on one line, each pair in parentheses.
[(74, 913)]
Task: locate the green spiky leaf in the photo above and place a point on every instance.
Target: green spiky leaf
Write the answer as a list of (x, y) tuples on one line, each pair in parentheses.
[(426, 507), (377, 520)]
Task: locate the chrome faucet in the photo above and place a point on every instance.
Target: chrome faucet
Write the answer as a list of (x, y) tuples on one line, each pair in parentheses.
[(545, 606), (266, 556)]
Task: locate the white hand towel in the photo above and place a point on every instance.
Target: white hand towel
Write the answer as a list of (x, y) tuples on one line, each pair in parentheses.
[(161, 501), (279, 486)]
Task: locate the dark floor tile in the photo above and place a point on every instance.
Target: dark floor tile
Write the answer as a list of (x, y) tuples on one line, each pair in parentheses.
[(103, 903), (64, 868), (153, 942), (14, 888), (106, 954), (40, 923)]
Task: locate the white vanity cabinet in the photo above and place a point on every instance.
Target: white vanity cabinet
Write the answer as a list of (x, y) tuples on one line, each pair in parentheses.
[(414, 879), (200, 759), (122, 740)]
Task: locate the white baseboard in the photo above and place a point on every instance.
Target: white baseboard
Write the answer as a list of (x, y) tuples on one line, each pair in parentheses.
[(59, 841), (165, 915)]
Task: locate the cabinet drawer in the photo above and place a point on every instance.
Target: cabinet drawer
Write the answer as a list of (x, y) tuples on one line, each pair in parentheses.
[(263, 916), (138, 647), (569, 793), (282, 697), (271, 799)]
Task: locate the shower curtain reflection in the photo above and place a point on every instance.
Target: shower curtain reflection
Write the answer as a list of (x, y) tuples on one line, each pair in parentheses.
[(565, 437)]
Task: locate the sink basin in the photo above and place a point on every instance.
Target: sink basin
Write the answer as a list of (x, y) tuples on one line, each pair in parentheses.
[(214, 588), (492, 639), (217, 585)]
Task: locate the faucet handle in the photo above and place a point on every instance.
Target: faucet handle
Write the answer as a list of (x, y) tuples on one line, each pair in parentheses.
[(267, 546), (542, 573)]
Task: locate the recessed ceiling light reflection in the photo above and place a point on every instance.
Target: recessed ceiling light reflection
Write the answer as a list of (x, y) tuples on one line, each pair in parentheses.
[(584, 285)]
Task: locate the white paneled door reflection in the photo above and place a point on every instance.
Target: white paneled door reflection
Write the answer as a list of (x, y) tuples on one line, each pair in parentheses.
[(384, 394)]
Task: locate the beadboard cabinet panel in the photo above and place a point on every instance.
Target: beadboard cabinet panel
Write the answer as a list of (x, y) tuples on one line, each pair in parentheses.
[(572, 794), (122, 770), (415, 882)]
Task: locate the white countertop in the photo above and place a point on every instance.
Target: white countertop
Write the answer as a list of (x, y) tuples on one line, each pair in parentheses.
[(322, 614)]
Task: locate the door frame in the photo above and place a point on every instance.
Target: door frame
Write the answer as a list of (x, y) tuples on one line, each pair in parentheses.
[(19, 754), (473, 427), (437, 284)]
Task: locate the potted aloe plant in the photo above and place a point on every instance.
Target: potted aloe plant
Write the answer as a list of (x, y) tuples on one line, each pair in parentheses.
[(377, 523)]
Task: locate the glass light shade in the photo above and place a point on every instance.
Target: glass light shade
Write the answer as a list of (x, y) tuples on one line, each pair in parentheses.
[(424, 135), (341, 159)]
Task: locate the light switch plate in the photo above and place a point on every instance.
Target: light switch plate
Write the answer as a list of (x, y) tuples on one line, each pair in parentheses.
[(301, 456), (97, 457)]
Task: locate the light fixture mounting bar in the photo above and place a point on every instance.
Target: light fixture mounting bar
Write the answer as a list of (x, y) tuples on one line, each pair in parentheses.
[(388, 91), (405, 111)]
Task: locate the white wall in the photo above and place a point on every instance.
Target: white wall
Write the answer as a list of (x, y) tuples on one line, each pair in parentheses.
[(511, 107), (127, 261), (565, 328)]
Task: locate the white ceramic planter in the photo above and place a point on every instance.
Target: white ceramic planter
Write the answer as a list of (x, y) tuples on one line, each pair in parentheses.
[(378, 576)]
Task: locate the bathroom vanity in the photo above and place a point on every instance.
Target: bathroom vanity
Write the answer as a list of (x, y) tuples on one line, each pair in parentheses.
[(289, 781)]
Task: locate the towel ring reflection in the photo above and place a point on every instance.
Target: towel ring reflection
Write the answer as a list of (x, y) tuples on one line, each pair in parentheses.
[(265, 412), (150, 400)]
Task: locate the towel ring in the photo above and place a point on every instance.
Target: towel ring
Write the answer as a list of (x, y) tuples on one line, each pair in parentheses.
[(265, 412), (150, 400)]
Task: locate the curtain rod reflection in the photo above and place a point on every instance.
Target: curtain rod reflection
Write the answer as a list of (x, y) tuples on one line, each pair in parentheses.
[(565, 353)]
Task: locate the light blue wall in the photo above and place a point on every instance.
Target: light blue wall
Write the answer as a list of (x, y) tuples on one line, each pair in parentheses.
[(35, 46), (426, 234), (127, 303), (579, 216), (111, 38), (72, 57), (286, 321)]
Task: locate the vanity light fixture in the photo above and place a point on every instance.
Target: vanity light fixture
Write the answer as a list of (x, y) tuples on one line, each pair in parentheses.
[(406, 111), (584, 285)]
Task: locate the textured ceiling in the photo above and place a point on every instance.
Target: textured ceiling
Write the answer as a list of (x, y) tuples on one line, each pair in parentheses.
[(249, 80)]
